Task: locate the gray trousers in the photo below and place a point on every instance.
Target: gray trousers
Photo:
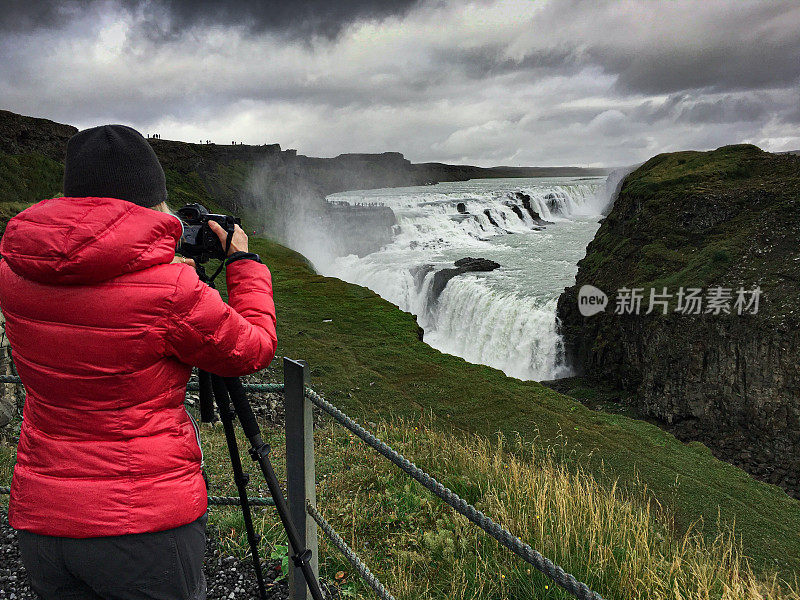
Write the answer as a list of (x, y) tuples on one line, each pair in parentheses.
[(165, 565)]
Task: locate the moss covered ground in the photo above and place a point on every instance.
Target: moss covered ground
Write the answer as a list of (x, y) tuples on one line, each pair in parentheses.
[(729, 217)]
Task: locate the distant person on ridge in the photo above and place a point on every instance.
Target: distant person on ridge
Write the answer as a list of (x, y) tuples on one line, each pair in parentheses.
[(105, 323)]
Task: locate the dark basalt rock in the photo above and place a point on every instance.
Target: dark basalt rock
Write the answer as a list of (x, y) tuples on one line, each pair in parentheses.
[(461, 208), (517, 211), (526, 204), (476, 264), (491, 219), (23, 135), (552, 203), (463, 265)]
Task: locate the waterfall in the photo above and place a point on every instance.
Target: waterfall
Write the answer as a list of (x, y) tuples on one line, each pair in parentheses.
[(514, 334), (537, 229), (613, 186)]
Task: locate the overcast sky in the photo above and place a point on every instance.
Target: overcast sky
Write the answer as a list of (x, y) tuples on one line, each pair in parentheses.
[(486, 83)]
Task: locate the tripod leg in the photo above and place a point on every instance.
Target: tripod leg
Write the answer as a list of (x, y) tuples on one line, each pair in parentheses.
[(260, 453), (226, 416), (206, 397)]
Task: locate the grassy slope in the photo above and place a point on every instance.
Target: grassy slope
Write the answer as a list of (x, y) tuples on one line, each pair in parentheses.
[(420, 548), (369, 360), (25, 179)]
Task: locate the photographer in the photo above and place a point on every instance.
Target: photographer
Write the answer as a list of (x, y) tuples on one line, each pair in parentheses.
[(105, 323)]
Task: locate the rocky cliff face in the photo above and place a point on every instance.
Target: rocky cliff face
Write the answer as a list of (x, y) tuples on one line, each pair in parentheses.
[(728, 218), (435, 172), (24, 135)]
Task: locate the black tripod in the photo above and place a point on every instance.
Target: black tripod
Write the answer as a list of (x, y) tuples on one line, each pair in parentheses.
[(231, 401)]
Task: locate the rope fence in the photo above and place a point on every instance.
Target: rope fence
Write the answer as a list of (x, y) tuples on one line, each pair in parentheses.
[(212, 500), (192, 386), (348, 553), (235, 501), (542, 564)]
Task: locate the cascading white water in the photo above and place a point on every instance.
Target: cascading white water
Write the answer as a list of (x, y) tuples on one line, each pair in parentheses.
[(504, 318), (513, 333)]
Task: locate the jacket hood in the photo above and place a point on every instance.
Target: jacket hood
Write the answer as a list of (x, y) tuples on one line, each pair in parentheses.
[(87, 240)]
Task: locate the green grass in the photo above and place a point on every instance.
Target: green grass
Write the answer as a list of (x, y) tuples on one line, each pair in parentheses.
[(24, 180), (28, 178), (370, 361), (186, 188)]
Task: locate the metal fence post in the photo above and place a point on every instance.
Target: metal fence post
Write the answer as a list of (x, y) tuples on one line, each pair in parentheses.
[(9, 392), (300, 474)]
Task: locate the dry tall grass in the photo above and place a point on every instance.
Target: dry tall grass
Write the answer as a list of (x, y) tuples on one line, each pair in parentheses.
[(617, 541)]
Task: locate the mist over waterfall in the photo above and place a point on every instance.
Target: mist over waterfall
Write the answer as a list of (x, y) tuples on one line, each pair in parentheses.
[(536, 229)]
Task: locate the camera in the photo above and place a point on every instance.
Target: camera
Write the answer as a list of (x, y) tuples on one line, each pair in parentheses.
[(198, 242)]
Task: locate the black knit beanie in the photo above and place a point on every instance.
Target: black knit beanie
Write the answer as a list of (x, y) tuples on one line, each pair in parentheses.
[(113, 161)]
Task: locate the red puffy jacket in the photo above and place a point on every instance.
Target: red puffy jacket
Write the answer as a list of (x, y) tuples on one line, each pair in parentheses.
[(104, 331)]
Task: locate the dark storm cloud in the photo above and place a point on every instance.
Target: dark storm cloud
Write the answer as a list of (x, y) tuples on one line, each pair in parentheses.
[(659, 47), (731, 67), (793, 114), (741, 46), (20, 15), (325, 17), (482, 62), (484, 81), (705, 109), (724, 110), (167, 19)]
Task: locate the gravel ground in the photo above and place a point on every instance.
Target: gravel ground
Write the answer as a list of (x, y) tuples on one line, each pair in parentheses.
[(13, 578), (227, 577)]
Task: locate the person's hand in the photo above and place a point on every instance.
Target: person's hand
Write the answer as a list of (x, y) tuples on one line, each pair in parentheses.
[(238, 242), (183, 260)]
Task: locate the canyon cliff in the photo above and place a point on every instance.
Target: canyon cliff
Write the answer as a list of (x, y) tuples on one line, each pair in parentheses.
[(729, 218)]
